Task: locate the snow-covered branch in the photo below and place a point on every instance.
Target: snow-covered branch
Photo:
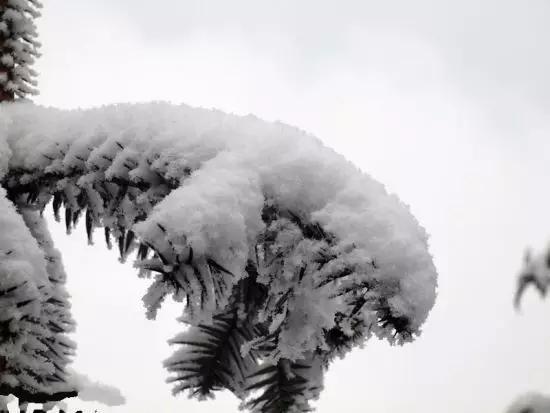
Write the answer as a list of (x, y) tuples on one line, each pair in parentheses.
[(33, 348), (254, 222), (93, 391), (18, 48)]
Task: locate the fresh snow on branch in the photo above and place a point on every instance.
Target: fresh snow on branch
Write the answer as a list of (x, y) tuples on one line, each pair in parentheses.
[(285, 254), (34, 308), (93, 391), (22, 277), (18, 48)]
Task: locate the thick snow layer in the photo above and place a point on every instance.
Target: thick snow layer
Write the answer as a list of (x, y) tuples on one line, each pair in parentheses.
[(243, 217), (233, 163), (55, 306), (21, 255), (22, 276), (530, 403), (94, 391), (20, 47)]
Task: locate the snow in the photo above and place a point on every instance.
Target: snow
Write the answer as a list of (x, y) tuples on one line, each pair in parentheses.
[(22, 274), (530, 403), (55, 308), (19, 47), (32, 300), (17, 246), (5, 401), (203, 195), (535, 271), (93, 391)]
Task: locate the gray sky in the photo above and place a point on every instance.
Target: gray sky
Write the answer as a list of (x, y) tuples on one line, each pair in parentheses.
[(447, 103)]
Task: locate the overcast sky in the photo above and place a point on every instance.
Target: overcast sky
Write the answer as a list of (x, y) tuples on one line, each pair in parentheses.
[(447, 103)]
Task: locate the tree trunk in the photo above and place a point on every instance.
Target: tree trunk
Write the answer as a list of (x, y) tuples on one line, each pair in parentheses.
[(5, 95)]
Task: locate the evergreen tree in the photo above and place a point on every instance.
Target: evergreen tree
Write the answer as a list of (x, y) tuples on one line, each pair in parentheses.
[(285, 255), (23, 360), (55, 305), (33, 310), (18, 48)]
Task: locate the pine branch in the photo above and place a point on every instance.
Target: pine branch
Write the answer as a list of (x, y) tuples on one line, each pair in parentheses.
[(305, 292), (286, 387), (211, 359)]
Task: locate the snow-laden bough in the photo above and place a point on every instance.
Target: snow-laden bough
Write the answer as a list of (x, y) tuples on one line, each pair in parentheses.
[(284, 254)]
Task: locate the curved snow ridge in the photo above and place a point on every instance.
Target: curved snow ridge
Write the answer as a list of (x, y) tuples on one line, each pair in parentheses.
[(221, 169)]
